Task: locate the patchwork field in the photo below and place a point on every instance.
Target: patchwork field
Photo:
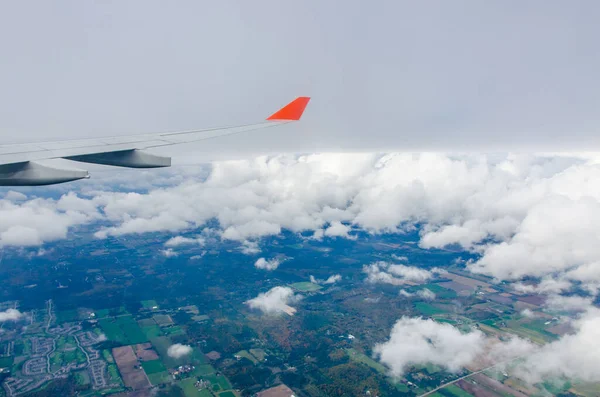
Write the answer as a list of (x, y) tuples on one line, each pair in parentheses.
[(149, 304), (306, 286), (156, 372), (428, 309), (362, 358), (123, 329), (133, 376)]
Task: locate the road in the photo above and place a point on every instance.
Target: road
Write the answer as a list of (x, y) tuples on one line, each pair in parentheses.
[(467, 376)]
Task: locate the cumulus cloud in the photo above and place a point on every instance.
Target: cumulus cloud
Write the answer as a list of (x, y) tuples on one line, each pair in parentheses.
[(329, 280), (180, 240), (178, 350), (11, 195), (387, 273), (416, 341), (547, 285), (525, 215), (10, 315), (575, 356), (424, 293), (276, 300), (264, 264), (568, 303), (169, 253), (338, 229), (34, 222), (250, 248)]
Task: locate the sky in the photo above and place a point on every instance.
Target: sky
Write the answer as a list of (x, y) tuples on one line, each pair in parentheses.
[(384, 76)]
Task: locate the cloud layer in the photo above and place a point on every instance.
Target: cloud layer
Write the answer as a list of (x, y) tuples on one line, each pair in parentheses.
[(525, 215)]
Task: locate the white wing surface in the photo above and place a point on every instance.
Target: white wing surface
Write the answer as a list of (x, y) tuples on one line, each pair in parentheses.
[(18, 166)]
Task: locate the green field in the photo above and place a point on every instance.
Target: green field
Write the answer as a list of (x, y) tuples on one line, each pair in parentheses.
[(190, 390), (82, 378), (203, 370), (174, 330), (159, 378), (427, 309), (107, 356), (152, 331), (258, 353), (146, 322), (6, 362), (306, 286), (362, 358), (162, 343), (439, 291), (162, 319), (152, 367), (149, 304), (245, 354), (227, 394), (113, 373), (124, 330), (219, 383)]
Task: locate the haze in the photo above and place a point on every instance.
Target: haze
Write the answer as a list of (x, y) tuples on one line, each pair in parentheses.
[(433, 75)]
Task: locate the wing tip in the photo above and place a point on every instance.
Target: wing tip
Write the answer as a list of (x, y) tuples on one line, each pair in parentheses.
[(292, 111)]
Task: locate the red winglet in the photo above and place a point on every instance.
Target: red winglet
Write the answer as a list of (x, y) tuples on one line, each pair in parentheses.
[(291, 111)]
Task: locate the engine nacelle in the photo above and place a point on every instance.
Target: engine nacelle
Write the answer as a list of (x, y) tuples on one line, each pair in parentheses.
[(34, 174), (125, 158)]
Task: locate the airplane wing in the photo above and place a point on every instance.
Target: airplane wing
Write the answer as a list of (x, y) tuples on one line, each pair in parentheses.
[(18, 166)]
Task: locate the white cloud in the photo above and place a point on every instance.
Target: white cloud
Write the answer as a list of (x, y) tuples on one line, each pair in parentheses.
[(178, 350), (547, 285), (416, 341), (264, 264), (568, 303), (426, 294), (169, 253), (10, 315), (276, 300), (384, 272), (527, 215), (338, 229), (250, 247), (180, 240), (334, 278), (575, 356), (11, 195), (35, 221), (527, 313)]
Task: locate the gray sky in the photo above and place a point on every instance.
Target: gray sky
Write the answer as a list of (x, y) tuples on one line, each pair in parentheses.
[(384, 75)]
